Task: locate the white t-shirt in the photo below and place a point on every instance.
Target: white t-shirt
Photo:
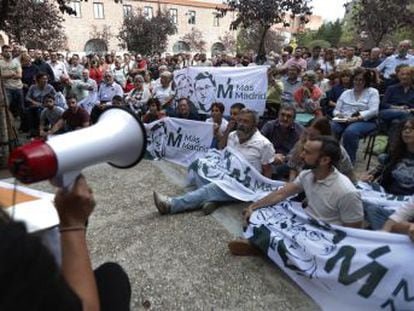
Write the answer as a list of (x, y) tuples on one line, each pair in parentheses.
[(334, 199), (404, 213), (223, 124), (258, 150)]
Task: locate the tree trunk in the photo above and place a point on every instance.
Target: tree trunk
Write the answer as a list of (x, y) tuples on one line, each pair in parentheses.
[(261, 53)]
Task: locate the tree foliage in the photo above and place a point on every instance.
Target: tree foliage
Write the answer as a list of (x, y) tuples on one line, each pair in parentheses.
[(249, 38), (105, 34), (195, 40), (146, 36), (36, 24), (229, 42), (266, 13), (330, 32), (379, 18)]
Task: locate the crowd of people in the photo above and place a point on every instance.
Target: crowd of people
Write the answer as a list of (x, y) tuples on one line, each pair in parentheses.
[(319, 104)]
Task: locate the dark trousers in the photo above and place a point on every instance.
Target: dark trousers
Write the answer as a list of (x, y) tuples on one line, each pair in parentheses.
[(114, 288), (16, 101)]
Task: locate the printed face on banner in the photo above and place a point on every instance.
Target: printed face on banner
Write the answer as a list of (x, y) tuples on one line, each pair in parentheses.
[(157, 137), (203, 86)]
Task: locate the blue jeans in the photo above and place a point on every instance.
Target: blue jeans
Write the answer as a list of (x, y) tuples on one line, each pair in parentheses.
[(376, 215), (351, 133), (16, 101), (206, 192)]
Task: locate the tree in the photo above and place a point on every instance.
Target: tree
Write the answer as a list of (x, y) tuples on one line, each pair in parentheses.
[(229, 42), (146, 36), (376, 19), (330, 32), (265, 12), (249, 39), (105, 34), (195, 41), (36, 24)]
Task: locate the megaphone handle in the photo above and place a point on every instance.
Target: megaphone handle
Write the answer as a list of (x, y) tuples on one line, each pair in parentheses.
[(66, 180)]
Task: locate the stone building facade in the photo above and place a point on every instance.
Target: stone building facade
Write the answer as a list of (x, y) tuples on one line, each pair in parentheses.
[(99, 18)]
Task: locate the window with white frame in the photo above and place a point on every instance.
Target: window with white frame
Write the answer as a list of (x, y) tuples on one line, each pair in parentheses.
[(191, 17), (98, 10), (127, 9), (174, 16), (76, 7), (148, 12)]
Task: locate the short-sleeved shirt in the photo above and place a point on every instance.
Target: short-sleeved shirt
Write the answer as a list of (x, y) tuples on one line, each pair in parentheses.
[(76, 119), (334, 199), (11, 67), (51, 115), (258, 150), (108, 91), (390, 63), (404, 213)]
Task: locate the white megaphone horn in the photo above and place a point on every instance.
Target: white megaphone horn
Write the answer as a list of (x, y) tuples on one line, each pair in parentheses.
[(118, 138)]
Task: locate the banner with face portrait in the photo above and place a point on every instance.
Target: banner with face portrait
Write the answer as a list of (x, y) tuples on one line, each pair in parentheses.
[(228, 85), (340, 268)]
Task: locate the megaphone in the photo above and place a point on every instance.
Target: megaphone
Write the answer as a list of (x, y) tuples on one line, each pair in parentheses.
[(117, 138)]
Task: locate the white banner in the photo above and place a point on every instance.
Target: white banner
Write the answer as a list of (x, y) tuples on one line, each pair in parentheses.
[(340, 268), (234, 175), (178, 140), (228, 85)]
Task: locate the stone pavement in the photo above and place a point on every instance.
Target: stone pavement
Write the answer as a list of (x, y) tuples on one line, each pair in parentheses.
[(178, 262)]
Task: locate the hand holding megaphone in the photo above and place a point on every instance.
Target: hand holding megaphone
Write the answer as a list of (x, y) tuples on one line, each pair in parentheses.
[(118, 138)]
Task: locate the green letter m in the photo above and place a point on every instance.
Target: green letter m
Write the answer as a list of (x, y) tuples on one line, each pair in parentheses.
[(375, 271)]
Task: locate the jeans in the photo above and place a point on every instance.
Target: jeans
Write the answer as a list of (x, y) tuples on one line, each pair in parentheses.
[(376, 215), (206, 192), (351, 133), (391, 117), (16, 101)]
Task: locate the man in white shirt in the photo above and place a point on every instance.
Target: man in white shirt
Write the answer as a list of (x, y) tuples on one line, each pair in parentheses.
[(402, 221), (58, 67), (250, 143), (331, 195)]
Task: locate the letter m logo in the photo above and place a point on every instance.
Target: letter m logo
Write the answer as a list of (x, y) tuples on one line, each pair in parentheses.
[(373, 270)]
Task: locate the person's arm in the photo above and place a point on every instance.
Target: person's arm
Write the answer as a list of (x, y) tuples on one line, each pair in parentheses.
[(357, 224), (273, 198), (373, 106), (267, 170), (74, 208), (29, 97), (58, 125), (222, 143)]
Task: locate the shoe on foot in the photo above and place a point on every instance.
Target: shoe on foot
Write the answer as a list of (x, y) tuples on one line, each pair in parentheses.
[(209, 207), (162, 202), (243, 248)]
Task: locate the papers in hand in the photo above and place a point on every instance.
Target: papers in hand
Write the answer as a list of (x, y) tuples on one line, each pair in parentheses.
[(338, 119)]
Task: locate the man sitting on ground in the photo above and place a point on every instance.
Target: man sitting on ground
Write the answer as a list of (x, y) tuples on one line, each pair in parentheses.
[(255, 148), (183, 110), (331, 195), (50, 115), (72, 119), (283, 132)]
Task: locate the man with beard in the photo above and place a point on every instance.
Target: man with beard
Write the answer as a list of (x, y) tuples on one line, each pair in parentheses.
[(72, 119), (247, 140), (331, 195)]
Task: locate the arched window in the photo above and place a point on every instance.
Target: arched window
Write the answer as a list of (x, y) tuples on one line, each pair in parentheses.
[(217, 48), (181, 46), (95, 46)]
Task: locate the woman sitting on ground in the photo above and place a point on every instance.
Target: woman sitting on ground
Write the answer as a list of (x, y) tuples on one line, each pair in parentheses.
[(153, 113), (309, 95), (314, 128), (396, 174), (220, 124)]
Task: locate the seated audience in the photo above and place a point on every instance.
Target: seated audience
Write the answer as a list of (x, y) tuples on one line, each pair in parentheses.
[(317, 127), (72, 119), (398, 101), (337, 90), (356, 111), (164, 93), (291, 83), (138, 97), (309, 95), (283, 133), (184, 111), (49, 116), (154, 111), (220, 124)]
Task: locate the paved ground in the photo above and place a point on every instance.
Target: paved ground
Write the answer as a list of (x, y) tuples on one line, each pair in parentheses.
[(178, 262)]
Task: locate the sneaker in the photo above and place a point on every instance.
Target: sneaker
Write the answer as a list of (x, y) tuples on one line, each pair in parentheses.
[(243, 248), (162, 202), (209, 207)]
